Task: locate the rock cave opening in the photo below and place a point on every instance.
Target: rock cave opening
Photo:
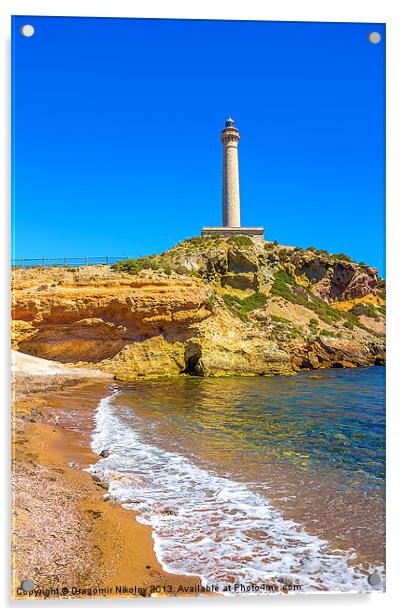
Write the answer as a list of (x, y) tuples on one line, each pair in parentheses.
[(193, 363)]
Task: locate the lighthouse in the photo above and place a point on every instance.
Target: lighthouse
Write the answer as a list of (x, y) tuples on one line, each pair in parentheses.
[(230, 138)]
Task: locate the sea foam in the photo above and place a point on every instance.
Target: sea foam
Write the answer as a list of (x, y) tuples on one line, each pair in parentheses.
[(212, 526)]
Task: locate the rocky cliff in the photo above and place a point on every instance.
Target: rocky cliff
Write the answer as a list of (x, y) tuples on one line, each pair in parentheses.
[(207, 306)]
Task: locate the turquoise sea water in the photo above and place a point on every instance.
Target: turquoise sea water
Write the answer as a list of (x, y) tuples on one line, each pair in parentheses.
[(299, 461)]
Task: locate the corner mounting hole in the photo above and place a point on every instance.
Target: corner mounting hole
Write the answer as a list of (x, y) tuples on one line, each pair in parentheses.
[(374, 37), (27, 30)]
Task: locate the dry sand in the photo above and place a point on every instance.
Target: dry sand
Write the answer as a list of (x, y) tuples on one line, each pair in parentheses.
[(65, 534)]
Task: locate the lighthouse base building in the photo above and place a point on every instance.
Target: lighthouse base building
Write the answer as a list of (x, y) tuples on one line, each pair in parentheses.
[(257, 232), (230, 138)]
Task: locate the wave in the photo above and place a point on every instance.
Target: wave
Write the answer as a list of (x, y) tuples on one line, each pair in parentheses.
[(212, 526)]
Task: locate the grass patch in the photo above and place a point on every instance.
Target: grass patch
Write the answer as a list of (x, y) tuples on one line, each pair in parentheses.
[(284, 286), (242, 306), (283, 329), (280, 319), (327, 332), (211, 302)]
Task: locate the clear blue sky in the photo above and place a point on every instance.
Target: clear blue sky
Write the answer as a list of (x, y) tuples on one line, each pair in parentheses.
[(116, 126)]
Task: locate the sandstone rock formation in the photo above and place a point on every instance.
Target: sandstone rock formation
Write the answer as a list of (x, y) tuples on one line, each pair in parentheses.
[(207, 306)]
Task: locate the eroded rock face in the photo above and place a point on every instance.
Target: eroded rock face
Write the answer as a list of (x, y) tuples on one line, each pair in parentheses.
[(209, 320), (232, 347), (333, 278), (95, 322), (361, 283), (315, 269), (340, 280), (241, 261), (246, 280), (138, 326), (328, 352)]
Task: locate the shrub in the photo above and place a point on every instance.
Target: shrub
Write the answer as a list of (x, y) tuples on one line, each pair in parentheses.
[(193, 273), (211, 302), (282, 277), (364, 309), (279, 319), (242, 306), (254, 301), (281, 286), (327, 332), (283, 253), (133, 266), (180, 269), (340, 256), (197, 239), (240, 241), (325, 311)]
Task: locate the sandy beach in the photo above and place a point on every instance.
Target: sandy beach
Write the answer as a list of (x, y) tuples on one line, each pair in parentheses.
[(67, 537)]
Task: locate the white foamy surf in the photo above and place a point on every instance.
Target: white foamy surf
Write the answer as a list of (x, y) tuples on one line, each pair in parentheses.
[(211, 526)]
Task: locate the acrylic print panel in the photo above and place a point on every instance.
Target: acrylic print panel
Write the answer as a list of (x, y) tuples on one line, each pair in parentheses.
[(198, 307)]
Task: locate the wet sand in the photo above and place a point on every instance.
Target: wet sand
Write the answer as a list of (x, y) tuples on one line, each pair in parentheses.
[(65, 534)]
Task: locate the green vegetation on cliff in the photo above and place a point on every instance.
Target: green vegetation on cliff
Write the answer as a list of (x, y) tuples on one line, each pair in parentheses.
[(285, 286), (242, 306), (156, 263)]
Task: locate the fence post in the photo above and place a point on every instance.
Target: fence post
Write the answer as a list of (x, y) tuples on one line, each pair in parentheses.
[(23, 263), (86, 260), (43, 261), (107, 260)]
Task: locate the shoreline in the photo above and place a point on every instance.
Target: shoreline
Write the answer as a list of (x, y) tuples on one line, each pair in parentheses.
[(101, 546), (67, 531)]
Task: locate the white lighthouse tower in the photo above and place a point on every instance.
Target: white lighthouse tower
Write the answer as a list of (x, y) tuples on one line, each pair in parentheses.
[(230, 138)]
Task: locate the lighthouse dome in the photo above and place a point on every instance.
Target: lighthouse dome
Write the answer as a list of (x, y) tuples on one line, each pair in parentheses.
[(229, 122)]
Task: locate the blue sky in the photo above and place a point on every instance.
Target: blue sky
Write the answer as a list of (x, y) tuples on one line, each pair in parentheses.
[(116, 126)]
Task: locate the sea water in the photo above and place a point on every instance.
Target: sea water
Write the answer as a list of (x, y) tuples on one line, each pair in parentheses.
[(258, 480)]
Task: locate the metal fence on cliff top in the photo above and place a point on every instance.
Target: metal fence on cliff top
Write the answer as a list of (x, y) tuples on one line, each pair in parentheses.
[(65, 261)]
